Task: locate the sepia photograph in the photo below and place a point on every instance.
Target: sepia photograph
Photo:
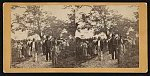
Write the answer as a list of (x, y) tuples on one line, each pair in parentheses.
[(74, 36)]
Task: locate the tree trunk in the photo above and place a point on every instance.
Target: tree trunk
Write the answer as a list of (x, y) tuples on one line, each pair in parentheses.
[(39, 28)]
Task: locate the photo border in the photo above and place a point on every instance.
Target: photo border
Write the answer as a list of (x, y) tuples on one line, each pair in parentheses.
[(143, 53)]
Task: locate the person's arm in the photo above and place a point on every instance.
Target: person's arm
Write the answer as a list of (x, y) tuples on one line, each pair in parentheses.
[(31, 45), (36, 46)]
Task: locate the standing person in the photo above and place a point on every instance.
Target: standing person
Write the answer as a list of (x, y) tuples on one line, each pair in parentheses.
[(90, 48), (113, 46), (99, 48), (77, 49), (63, 44), (102, 47), (34, 50), (72, 44), (121, 50), (55, 53), (95, 47), (43, 47), (29, 47), (40, 46), (109, 43), (19, 47), (54, 48), (85, 49), (52, 45), (24, 49), (48, 48), (81, 49), (67, 44), (118, 45)]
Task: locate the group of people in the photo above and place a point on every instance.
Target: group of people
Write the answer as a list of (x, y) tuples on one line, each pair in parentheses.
[(28, 48), (84, 49), (49, 47), (89, 48)]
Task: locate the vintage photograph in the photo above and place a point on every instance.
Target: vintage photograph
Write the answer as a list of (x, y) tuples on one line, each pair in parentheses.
[(74, 36)]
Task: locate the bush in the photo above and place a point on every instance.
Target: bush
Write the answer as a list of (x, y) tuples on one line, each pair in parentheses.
[(130, 58), (66, 59)]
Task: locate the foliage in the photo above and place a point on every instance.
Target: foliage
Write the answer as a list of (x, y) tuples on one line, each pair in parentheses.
[(72, 26), (37, 21)]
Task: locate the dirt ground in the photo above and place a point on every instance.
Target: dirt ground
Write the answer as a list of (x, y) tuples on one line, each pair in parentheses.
[(107, 62)]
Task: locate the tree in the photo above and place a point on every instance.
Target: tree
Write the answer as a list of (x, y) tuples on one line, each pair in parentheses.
[(101, 15), (72, 26), (37, 21), (107, 20), (103, 18), (53, 26)]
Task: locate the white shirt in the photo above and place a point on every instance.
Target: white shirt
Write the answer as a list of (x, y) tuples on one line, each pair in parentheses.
[(33, 45), (98, 42)]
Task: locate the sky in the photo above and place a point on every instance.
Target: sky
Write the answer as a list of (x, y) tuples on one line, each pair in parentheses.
[(60, 13)]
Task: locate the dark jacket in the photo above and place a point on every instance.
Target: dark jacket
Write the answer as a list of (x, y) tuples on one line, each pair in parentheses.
[(102, 43), (47, 45), (117, 43)]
